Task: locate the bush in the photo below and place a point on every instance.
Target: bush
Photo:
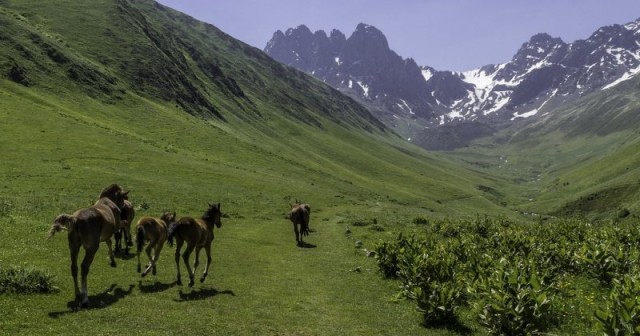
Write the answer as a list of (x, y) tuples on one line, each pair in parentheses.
[(420, 220), (431, 278), (621, 316), (516, 300), (20, 280)]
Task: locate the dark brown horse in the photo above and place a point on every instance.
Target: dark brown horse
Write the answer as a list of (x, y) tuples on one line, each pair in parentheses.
[(87, 228), (126, 218), (156, 231), (299, 216), (197, 233)]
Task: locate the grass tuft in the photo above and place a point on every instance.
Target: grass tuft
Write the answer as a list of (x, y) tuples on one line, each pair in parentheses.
[(20, 280)]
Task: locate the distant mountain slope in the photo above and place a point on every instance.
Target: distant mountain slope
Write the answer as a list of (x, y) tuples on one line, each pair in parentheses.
[(152, 50), (154, 82), (543, 74), (362, 66)]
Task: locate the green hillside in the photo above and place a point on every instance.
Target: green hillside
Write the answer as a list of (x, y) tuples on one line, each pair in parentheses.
[(579, 160), (181, 114)]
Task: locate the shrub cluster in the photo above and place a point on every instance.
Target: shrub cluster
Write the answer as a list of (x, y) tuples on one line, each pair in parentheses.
[(510, 274), (19, 280)]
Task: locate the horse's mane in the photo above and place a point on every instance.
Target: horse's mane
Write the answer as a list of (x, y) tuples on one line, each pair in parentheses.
[(110, 190)]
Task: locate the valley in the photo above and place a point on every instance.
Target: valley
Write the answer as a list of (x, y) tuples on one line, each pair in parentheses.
[(181, 114)]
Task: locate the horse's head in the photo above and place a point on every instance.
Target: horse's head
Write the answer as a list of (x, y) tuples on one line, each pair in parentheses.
[(213, 214), (119, 199), (169, 217), (116, 194)]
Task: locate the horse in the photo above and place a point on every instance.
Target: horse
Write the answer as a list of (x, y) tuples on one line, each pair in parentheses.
[(126, 218), (197, 233), (88, 227), (299, 215), (155, 230)]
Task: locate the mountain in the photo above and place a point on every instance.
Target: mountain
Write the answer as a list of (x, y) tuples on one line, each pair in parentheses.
[(363, 66), (543, 74)]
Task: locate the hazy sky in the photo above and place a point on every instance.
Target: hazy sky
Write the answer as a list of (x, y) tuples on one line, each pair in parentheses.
[(445, 34)]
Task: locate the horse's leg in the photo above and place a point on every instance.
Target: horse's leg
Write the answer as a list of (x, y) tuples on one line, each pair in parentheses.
[(207, 249), (117, 235), (196, 263), (179, 242), (90, 252), (185, 257), (111, 255), (74, 248), (295, 230), (148, 251), (127, 238), (158, 248), (139, 266)]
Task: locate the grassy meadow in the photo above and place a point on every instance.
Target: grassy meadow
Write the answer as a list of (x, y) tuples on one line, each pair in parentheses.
[(57, 157), (181, 114)]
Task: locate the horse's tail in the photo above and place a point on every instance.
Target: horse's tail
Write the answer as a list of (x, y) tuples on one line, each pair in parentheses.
[(170, 232), (61, 223), (140, 238)]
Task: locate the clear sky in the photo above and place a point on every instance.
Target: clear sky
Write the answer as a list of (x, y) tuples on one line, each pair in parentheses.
[(453, 35)]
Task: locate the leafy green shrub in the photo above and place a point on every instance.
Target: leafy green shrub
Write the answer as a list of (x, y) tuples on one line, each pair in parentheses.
[(516, 299), (5, 207), (623, 213), (621, 316), (376, 227), (21, 280), (419, 220), (389, 255), (432, 279), (360, 222), (604, 261)]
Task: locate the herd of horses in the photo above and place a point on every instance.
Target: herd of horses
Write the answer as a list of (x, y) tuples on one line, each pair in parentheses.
[(111, 216)]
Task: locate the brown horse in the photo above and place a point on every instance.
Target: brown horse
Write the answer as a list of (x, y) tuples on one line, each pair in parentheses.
[(126, 218), (197, 233), (87, 228), (155, 230), (299, 215)]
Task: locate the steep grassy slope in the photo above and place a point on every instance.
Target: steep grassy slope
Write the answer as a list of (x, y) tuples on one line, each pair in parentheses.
[(96, 92)]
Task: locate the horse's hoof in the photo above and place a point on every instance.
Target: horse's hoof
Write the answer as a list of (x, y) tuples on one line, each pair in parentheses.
[(202, 279), (143, 274), (112, 264), (153, 271), (139, 269), (179, 282), (84, 304)]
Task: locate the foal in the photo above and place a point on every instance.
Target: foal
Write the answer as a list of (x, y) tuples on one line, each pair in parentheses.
[(87, 228), (197, 233), (155, 230), (124, 231), (299, 215)]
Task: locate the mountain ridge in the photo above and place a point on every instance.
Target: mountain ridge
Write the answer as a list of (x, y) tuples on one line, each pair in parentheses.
[(544, 72)]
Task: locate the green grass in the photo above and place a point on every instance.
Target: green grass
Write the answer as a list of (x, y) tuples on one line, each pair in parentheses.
[(181, 114), (115, 94)]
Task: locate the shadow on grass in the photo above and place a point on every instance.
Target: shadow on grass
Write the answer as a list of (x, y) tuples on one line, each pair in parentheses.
[(202, 294), (453, 325), (98, 301), (306, 245), (155, 287), (123, 256)]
